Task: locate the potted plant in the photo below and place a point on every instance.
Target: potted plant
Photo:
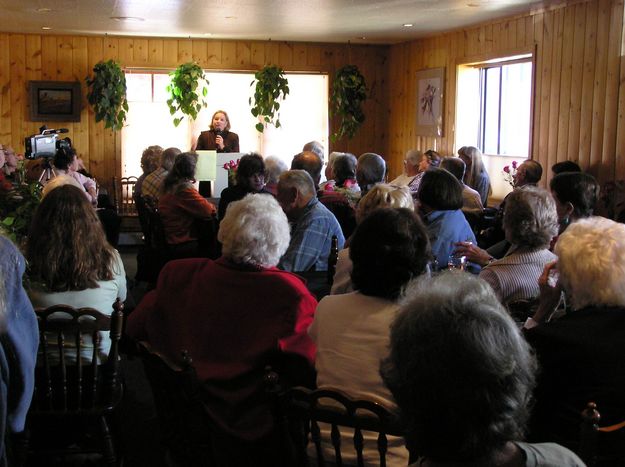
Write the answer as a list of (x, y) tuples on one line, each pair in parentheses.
[(183, 91), (271, 86), (107, 94), (349, 91)]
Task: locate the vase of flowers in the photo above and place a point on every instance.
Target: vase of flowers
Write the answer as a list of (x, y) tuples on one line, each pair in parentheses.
[(509, 171), (232, 167)]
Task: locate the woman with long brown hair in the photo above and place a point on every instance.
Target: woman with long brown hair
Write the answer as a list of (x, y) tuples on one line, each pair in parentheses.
[(70, 262)]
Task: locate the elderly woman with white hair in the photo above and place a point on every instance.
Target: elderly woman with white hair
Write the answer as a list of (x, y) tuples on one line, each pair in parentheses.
[(530, 222), (234, 315), (411, 162), (581, 353)]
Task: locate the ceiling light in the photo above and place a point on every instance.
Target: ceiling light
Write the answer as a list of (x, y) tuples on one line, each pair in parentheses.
[(127, 19), (43, 10), (408, 25), (46, 28)]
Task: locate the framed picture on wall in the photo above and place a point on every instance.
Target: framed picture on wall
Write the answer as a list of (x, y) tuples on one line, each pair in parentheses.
[(430, 85), (54, 101)]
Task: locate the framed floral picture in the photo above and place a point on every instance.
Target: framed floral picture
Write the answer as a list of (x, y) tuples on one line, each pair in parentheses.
[(430, 85)]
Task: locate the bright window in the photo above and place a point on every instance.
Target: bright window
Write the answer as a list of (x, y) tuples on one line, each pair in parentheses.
[(494, 106), (303, 116)]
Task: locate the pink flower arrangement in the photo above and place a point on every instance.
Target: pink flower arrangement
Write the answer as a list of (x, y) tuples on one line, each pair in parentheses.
[(509, 171), (232, 167)]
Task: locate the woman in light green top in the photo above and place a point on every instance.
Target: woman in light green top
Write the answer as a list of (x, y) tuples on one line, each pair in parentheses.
[(70, 262)]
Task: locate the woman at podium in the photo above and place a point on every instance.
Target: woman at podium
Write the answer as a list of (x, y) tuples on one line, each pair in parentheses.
[(219, 137)]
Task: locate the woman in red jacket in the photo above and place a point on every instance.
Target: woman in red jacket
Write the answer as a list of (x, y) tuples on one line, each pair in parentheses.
[(181, 205), (236, 315)]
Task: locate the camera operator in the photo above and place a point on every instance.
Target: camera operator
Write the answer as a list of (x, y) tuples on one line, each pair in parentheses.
[(65, 164)]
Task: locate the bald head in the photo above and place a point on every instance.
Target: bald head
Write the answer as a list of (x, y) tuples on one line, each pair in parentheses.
[(310, 162)]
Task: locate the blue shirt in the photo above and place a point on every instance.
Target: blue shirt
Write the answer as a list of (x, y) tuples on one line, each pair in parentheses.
[(18, 344), (311, 238), (445, 228)]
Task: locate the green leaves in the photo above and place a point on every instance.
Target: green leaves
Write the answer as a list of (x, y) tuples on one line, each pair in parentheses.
[(183, 91), (107, 94), (349, 91), (271, 86)]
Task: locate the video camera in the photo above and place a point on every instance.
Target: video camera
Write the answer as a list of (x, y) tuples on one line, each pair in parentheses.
[(46, 144)]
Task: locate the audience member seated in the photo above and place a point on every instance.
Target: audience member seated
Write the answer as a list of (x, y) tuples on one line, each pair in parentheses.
[(351, 331), (565, 166), (471, 201), (18, 346), (311, 163), (312, 224), (380, 196), (150, 160), (440, 199), (341, 196), (250, 178), (581, 353), (575, 194), (274, 167), (234, 315), (370, 170), (530, 223), (476, 175), (64, 160), (412, 159), (430, 158), (316, 148), (152, 185), (70, 262), (528, 173), (329, 174), (181, 206), (462, 376)]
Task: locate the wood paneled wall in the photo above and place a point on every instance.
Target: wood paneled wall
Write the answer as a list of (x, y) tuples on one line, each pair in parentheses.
[(579, 92), (67, 58)]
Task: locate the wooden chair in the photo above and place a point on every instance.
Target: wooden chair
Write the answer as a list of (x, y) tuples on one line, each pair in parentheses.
[(303, 410), (72, 394), (124, 195), (185, 429), (600, 445)]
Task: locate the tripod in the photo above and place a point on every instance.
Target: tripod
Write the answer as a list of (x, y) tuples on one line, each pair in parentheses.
[(48, 172)]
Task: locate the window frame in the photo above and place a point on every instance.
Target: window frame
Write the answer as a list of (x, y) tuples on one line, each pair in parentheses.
[(491, 60)]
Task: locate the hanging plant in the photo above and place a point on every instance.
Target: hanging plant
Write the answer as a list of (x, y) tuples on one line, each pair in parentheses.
[(271, 86), (349, 91), (107, 94), (183, 91)]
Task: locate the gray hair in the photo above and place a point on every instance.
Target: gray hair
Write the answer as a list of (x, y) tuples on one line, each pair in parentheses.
[(591, 264), (370, 170), (299, 179), (168, 157), (413, 157), (530, 217), (315, 147), (273, 168), (459, 369), (254, 231)]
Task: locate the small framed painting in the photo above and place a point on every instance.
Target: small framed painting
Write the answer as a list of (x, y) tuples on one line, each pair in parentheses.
[(430, 85), (54, 101)]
